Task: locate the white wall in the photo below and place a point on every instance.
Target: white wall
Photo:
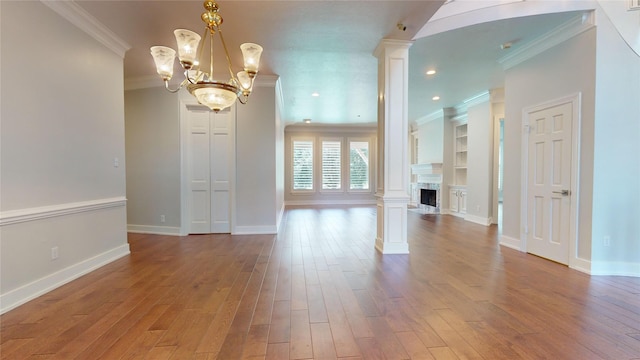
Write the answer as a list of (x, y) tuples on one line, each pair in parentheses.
[(62, 120), (616, 167), (152, 134), (430, 144), (565, 69), (479, 163)]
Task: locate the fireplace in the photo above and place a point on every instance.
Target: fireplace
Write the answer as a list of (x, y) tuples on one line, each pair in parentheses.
[(426, 196), (429, 197)]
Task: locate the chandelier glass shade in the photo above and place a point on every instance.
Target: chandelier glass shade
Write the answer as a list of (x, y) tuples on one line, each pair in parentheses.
[(212, 93)]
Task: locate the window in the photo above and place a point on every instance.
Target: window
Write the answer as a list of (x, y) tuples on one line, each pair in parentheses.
[(359, 165), (302, 165), (331, 165)]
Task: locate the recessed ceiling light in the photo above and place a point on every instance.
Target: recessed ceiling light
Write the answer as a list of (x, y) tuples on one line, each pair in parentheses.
[(435, 98), (431, 72), (307, 121), (315, 94)]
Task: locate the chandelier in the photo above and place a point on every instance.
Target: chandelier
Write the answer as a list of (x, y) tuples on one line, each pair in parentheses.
[(209, 92)]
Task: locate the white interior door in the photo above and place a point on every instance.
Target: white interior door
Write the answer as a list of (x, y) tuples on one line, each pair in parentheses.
[(549, 182), (210, 164)]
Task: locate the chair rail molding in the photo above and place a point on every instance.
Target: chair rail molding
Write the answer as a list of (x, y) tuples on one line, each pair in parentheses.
[(44, 212)]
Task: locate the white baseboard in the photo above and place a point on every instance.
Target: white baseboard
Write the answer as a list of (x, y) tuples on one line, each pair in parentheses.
[(330, 202), (478, 219), (158, 230), (392, 248), (615, 268), (255, 230), (23, 294), (581, 265), (511, 242)]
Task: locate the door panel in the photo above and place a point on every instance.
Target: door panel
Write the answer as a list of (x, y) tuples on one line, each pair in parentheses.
[(199, 178), (220, 171), (549, 179)]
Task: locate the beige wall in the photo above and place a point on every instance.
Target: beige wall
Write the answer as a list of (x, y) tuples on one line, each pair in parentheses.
[(616, 158), (256, 163), (479, 162), (153, 161), (565, 69), (63, 156), (152, 133)]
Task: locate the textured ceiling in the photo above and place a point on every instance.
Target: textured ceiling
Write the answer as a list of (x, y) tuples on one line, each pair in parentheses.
[(327, 47)]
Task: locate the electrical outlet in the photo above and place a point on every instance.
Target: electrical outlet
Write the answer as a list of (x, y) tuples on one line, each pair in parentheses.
[(162, 218), (477, 208), (607, 240), (54, 253), (116, 162)]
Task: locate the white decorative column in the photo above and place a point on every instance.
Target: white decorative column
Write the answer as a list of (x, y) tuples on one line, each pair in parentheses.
[(393, 137)]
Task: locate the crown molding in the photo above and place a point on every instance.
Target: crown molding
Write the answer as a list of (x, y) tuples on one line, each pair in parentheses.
[(266, 80), (560, 34), (438, 114), (460, 110), (341, 128), (483, 97), (76, 15)]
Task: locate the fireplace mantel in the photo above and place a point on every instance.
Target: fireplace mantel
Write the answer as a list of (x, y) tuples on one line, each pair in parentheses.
[(426, 169)]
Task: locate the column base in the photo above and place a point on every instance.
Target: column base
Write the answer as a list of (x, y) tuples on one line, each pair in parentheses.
[(391, 235)]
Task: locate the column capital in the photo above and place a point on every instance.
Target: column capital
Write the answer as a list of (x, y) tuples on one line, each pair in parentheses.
[(386, 45)]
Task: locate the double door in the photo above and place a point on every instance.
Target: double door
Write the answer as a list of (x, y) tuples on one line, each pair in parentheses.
[(458, 200), (210, 164)]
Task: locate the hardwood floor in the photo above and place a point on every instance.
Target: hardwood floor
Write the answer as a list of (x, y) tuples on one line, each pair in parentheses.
[(319, 290)]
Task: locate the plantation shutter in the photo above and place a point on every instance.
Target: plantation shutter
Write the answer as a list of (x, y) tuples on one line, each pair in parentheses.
[(331, 165), (302, 165), (359, 165)]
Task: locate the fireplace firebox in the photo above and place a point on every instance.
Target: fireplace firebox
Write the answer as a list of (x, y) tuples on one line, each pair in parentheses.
[(428, 197)]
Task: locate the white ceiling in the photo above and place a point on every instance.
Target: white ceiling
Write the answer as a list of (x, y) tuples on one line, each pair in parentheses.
[(327, 47)]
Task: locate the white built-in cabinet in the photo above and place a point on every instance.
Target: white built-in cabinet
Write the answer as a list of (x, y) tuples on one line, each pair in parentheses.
[(457, 200)]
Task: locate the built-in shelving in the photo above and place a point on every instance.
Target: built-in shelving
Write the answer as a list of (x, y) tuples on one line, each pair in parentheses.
[(460, 156)]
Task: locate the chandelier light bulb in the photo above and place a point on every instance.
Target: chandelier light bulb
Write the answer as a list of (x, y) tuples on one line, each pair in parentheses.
[(246, 82), (251, 54), (187, 44), (164, 57)]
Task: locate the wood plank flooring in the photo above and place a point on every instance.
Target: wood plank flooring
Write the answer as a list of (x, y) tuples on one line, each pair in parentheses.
[(319, 290)]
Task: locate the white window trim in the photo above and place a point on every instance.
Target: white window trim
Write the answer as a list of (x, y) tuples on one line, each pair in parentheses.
[(314, 166), (348, 165), (320, 167)]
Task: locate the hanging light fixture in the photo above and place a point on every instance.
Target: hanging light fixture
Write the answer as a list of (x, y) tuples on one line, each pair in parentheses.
[(214, 94)]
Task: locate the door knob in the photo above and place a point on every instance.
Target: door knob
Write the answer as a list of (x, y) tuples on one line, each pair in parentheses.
[(562, 192)]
